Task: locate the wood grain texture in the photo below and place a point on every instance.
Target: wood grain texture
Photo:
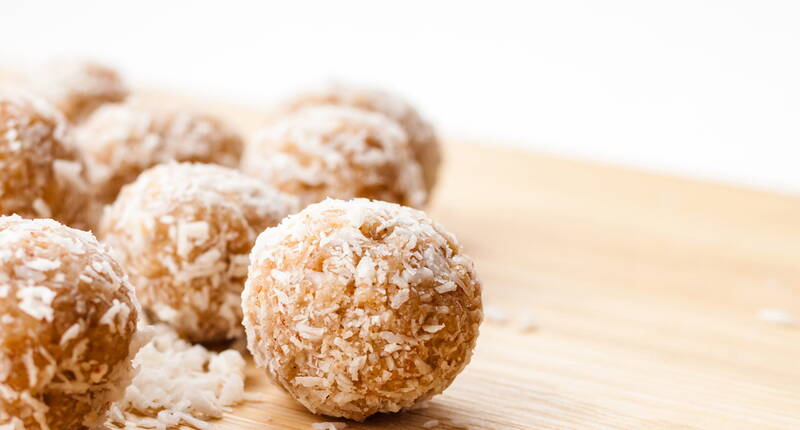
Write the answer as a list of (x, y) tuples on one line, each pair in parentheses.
[(645, 289)]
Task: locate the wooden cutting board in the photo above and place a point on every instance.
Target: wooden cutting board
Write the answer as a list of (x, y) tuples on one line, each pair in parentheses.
[(645, 289)]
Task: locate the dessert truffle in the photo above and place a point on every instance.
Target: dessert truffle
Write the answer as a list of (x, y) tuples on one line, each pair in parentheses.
[(119, 141), (183, 232), (68, 326), (339, 152), (39, 176), (361, 307), (421, 135), (77, 87)]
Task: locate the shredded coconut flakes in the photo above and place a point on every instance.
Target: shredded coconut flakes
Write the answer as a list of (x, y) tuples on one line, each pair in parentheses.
[(176, 383), (36, 302)]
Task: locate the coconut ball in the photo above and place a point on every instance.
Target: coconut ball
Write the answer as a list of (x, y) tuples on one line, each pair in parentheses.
[(361, 307), (39, 176), (184, 232), (68, 320), (336, 151), (119, 141), (421, 135), (76, 87)]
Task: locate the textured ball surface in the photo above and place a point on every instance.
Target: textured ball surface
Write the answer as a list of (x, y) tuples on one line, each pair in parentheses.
[(77, 88), (120, 141), (338, 152), (183, 232), (421, 135), (39, 176), (361, 307), (68, 319)]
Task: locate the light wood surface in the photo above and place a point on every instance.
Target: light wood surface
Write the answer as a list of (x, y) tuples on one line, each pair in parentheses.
[(645, 288)]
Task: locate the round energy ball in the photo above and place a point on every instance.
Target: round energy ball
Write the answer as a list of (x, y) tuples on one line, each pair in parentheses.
[(339, 152), (183, 232), (361, 307), (421, 135), (120, 141), (76, 87), (39, 176), (68, 324)]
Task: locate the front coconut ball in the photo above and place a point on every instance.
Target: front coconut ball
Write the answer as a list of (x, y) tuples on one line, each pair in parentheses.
[(359, 307), (68, 326)]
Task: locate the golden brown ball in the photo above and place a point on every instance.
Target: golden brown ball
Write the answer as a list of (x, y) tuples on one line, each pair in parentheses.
[(39, 176), (184, 232), (77, 87), (120, 141), (338, 152), (361, 307), (68, 324), (421, 135)]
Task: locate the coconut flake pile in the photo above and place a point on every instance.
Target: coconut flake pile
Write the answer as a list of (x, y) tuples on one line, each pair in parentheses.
[(176, 383)]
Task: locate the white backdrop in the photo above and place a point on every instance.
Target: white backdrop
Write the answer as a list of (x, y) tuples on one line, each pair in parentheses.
[(702, 88)]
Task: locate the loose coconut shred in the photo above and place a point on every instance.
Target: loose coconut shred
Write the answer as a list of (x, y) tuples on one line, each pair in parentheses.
[(184, 233), (361, 307), (176, 383), (68, 329)]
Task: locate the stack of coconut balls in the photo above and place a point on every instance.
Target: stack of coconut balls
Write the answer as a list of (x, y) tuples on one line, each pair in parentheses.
[(305, 240)]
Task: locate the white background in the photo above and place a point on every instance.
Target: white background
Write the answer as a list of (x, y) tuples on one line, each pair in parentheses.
[(702, 88)]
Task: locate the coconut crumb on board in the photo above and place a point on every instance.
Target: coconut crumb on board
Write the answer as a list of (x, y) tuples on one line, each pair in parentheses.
[(528, 323), (421, 405), (430, 424), (777, 316), (524, 324), (459, 422), (176, 383), (329, 426), (495, 314)]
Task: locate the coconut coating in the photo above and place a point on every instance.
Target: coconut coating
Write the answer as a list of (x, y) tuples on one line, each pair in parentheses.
[(39, 176), (361, 307), (338, 152), (120, 141), (77, 88), (183, 232), (421, 134), (68, 320)]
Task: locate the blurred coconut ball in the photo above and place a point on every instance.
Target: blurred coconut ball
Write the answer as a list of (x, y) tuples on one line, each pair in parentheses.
[(120, 141), (40, 177), (77, 87), (339, 152), (183, 232), (68, 326), (421, 135), (359, 307)]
